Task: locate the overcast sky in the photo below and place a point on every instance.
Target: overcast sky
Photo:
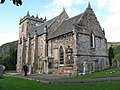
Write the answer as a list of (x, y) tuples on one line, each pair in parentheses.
[(107, 12)]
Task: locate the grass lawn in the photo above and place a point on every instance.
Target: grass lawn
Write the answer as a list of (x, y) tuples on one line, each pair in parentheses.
[(13, 83), (113, 71)]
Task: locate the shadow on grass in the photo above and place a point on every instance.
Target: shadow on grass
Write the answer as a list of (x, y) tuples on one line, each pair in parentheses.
[(1, 77), (1, 86)]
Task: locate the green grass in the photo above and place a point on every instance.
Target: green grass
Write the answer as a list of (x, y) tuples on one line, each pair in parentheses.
[(13, 83), (113, 71)]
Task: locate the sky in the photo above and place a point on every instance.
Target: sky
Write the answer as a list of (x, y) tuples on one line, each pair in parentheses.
[(107, 12)]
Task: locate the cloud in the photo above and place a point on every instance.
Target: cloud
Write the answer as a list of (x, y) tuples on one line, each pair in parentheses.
[(114, 6), (102, 3), (112, 21), (67, 3), (112, 27), (107, 11), (56, 7), (7, 37)]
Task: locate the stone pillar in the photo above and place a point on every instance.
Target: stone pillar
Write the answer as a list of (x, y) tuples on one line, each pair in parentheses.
[(35, 54), (28, 60), (45, 53), (23, 54), (45, 42), (75, 51)]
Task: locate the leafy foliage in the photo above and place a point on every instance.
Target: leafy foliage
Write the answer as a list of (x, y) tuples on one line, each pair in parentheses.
[(16, 2), (2, 1), (116, 50), (8, 55)]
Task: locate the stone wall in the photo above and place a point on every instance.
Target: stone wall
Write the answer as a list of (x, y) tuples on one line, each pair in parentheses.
[(96, 57), (34, 50), (83, 46), (53, 50)]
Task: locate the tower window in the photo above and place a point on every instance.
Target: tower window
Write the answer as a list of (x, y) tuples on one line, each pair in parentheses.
[(22, 27), (92, 40)]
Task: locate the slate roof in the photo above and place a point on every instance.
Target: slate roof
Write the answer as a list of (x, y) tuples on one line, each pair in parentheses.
[(40, 29), (65, 27)]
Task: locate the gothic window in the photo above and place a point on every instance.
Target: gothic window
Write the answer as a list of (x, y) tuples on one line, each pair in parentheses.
[(27, 28), (92, 40), (61, 55)]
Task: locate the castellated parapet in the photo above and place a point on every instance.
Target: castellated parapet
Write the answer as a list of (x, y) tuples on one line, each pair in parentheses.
[(32, 18)]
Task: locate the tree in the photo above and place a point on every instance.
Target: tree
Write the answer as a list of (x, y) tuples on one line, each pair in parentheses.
[(2, 1), (16, 2), (111, 55), (8, 55), (117, 57)]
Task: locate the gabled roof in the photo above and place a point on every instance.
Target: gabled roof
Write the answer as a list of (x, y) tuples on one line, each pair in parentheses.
[(65, 27), (40, 29)]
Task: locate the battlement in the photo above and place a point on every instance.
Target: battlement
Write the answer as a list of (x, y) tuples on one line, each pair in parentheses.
[(33, 18)]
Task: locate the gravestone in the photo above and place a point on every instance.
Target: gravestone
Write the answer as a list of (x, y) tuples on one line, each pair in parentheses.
[(84, 68), (1, 71)]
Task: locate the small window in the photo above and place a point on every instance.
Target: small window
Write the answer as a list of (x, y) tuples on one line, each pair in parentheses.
[(61, 55), (50, 65), (22, 27), (20, 40), (92, 40)]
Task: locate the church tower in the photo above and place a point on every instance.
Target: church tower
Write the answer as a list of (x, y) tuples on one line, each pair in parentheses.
[(27, 26)]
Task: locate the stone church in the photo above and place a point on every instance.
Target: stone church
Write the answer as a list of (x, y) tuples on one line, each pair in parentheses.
[(62, 45)]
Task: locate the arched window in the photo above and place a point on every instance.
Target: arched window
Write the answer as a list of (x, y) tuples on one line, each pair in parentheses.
[(61, 55), (92, 40)]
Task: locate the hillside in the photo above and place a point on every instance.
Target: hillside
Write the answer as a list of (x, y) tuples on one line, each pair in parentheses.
[(8, 54), (114, 44), (116, 49)]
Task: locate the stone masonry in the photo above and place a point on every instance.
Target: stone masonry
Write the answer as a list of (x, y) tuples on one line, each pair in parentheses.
[(62, 45)]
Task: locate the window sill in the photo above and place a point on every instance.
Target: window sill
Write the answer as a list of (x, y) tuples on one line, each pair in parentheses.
[(61, 65)]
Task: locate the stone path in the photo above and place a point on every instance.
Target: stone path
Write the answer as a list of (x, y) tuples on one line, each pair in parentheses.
[(62, 79)]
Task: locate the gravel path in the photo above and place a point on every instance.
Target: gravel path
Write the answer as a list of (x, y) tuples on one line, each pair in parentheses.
[(62, 79)]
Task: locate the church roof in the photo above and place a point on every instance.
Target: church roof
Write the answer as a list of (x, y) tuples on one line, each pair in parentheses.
[(65, 27), (40, 29)]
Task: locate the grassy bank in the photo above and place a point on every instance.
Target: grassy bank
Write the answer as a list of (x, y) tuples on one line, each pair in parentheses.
[(113, 71), (13, 83)]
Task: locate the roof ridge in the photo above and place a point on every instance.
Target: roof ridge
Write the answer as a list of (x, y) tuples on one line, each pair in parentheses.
[(74, 16), (48, 21)]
